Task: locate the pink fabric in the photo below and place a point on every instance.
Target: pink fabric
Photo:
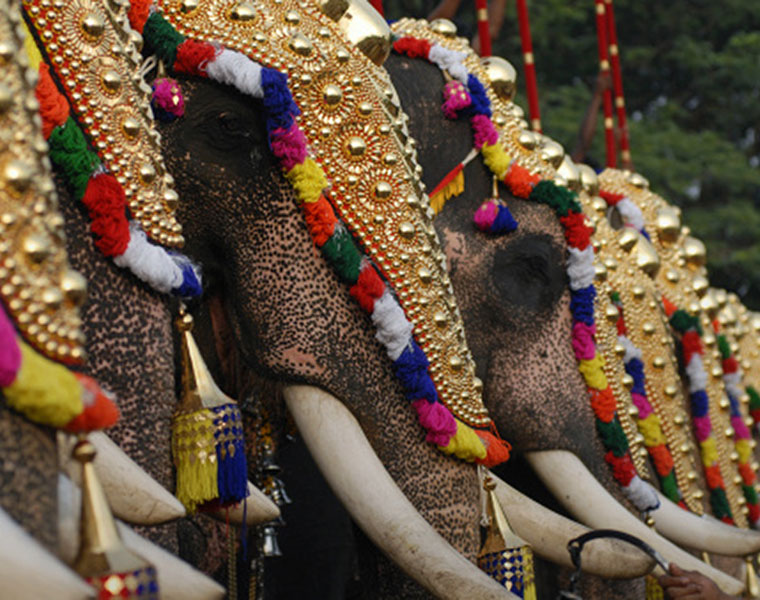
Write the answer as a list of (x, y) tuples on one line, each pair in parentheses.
[(168, 96), (702, 428), (583, 341), (486, 215), (10, 353), (740, 429), (455, 98), (437, 420), (641, 402), (289, 145), (484, 131)]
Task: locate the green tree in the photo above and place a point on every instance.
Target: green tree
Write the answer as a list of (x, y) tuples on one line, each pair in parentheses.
[(691, 72)]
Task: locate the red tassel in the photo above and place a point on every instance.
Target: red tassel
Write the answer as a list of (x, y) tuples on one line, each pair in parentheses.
[(368, 288), (611, 198), (412, 47), (713, 476), (691, 344), (54, 109), (193, 56), (497, 449), (99, 412), (577, 233), (669, 307), (622, 467), (104, 199), (320, 219), (603, 404), (139, 13)]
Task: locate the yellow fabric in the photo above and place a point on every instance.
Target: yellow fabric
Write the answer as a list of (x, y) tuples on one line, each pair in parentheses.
[(32, 52), (44, 391), (194, 451), (652, 431), (709, 451), (593, 372), (496, 159), (454, 188), (308, 179), (465, 444), (744, 451)]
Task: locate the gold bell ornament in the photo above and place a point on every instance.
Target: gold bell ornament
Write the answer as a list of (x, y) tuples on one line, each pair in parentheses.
[(207, 434), (103, 559), (505, 556)]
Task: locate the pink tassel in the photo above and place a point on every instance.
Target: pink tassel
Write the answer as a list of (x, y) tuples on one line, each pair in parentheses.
[(740, 429), (702, 428), (486, 215), (168, 102), (641, 402), (455, 98), (583, 341), (289, 145), (437, 420), (10, 353), (483, 131)]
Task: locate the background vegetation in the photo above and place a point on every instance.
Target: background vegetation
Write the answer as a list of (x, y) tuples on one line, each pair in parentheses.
[(691, 72)]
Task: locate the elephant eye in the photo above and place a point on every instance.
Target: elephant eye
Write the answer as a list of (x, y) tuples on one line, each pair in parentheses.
[(530, 273), (232, 124)]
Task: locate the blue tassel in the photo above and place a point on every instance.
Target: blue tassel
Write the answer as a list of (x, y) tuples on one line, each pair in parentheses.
[(190, 286), (232, 470), (278, 101), (635, 368), (504, 221), (411, 368), (699, 403), (582, 304)]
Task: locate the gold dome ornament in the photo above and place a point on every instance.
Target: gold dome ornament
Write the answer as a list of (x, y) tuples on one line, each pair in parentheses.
[(103, 559), (502, 75), (505, 556)]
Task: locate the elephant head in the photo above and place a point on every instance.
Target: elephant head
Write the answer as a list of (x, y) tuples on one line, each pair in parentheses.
[(513, 287)]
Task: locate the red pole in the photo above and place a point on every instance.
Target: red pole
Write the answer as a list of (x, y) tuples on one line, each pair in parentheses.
[(531, 87), (604, 67), (617, 81), (484, 29)]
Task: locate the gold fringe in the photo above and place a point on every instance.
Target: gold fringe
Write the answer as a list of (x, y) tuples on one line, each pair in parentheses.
[(453, 189), (653, 589), (194, 451)]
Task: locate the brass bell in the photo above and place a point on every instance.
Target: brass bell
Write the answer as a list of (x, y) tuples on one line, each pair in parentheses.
[(270, 547)]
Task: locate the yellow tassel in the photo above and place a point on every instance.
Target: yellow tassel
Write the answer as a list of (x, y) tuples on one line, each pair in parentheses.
[(32, 52), (496, 159), (651, 430), (308, 179), (653, 589), (451, 190), (709, 451), (465, 444), (194, 452), (44, 391), (505, 556), (743, 450), (593, 372)]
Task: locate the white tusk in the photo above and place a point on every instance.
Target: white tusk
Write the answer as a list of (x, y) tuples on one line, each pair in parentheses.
[(362, 484), (587, 500), (259, 509), (27, 570), (703, 533), (134, 495), (548, 534), (176, 579)]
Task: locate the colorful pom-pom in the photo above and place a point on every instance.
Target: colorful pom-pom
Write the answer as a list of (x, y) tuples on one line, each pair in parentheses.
[(168, 102)]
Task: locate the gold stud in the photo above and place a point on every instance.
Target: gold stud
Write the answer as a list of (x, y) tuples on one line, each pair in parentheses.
[(171, 198), (111, 81), (425, 275), (406, 230), (638, 181), (627, 381), (37, 247), (444, 27), (356, 147), (390, 158), (147, 173), (52, 298), (502, 75), (93, 25), (610, 263), (18, 174), (383, 190), (627, 238), (300, 44), (638, 292), (456, 363), (332, 95), (189, 5), (243, 12), (670, 390), (679, 420), (648, 328), (528, 140), (365, 109), (441, 319), (658, 362), (612, 313), (292, 17), (130, 126), (600, 272)]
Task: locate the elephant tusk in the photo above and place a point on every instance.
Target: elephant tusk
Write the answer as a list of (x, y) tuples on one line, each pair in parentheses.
[(27, 570), (362, 484), (703, 533), (548, 534), (259, 509), (586, 499), (134, 495), (177, 580)]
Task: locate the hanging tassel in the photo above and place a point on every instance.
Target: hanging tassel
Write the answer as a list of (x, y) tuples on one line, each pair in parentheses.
[(103, 560), (451, 185), (654, 590), (207, 434), (505, 556), (167, 101)]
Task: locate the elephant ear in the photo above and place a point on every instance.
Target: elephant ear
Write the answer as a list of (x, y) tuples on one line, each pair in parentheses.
[(361, 192)]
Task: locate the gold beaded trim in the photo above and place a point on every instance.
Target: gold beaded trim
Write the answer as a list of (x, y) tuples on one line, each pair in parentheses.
[(682, 278), (39, 289), (356, 131), (94, 56)]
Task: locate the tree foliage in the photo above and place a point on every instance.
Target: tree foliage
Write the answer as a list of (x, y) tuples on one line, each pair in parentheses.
[(691, 72)]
